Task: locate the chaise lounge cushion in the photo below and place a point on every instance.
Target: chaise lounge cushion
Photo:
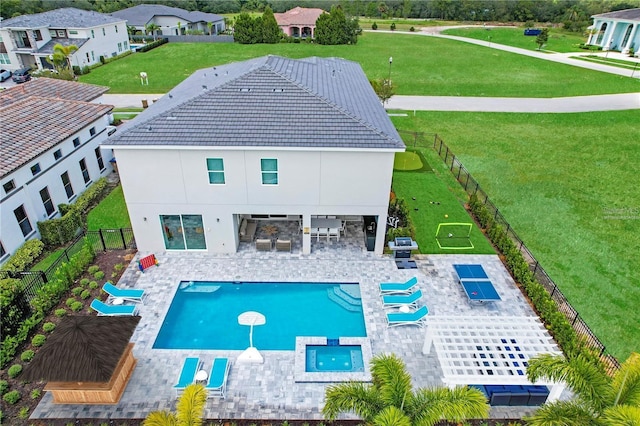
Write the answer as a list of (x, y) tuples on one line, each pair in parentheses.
[(247, 230)]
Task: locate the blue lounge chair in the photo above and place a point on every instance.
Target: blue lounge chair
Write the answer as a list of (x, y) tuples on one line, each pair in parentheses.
[(217, 385), (395, 300), (410, 318), (112, 310), (398, 288), (187, 374), (131, 295)]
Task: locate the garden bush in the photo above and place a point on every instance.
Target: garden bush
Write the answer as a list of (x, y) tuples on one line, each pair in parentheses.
[(14, 371), (4, 387), (27, 355), (84, 282), (23, 413), (98, 275), (374, 26), (24, 257), (60, 312), (38, 340), (153, 45), (11, 397), (35, 394), (59, 231), (93, 285), (70, 301), (13, 305), (76, 291), (85, 294), (93, 269), (48, 327), (77, 306)]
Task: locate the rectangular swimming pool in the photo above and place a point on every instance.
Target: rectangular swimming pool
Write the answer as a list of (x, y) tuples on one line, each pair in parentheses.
[(204, 315)]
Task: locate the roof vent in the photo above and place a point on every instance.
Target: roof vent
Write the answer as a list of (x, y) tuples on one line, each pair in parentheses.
[(278, 90), (216, 74), (333, 73), (204, 87), (149, 129), (170, 96), (245, 89), (171, 117)]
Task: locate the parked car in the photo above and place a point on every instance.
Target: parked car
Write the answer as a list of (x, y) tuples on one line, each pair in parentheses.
[(4, 75), (22, 75)]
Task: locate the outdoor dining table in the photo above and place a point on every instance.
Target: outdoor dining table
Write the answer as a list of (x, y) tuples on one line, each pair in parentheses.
[(325, 223)]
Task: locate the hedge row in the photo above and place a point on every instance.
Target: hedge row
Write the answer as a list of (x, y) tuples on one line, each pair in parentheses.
[(59, 231), (47, 297), (24, 257), (153, 45), (554, 320)]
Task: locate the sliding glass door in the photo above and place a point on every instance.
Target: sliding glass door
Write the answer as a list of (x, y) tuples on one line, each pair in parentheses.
[(183, 232)]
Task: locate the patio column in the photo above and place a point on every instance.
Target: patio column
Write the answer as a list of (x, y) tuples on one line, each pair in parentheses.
[(306, 234), (381, 232), (607, 44)]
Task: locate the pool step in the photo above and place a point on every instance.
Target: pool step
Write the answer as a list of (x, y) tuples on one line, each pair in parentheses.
[(344, 299), (192, 287)]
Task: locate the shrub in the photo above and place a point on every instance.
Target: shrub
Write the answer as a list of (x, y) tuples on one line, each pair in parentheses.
[(118, 267), (13, 305), (4, 387), (84, 282), (70, 301), (35, 394), (14, 371), (374, 26), (93, 285), (77, 306), (48, 327), (60, 230), (27, 355), (412, 29), (24, 412), (76, 291), (11, 397), (93, 269), (98, 275), (38, 340), (85, 294), (24, 257), (153, 45), (60, 312), (393, 26)]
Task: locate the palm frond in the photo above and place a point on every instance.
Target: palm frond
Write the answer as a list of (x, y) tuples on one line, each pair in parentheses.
[(160, 418), (391, 416), (585, 378), (626, 382), (434, 404), (564, 413), (362, 399), (391, 379), (190, 407), (622, 415)]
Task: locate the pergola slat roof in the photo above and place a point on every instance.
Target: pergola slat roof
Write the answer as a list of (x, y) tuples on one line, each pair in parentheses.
[(82, 349)]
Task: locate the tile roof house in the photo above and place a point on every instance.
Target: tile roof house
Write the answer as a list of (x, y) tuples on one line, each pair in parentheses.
[(171, 20), (299, 21), (51, 134), (267, 137), (617, 30), (28, 40)]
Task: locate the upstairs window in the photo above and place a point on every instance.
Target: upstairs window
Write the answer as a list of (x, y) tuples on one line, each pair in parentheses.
[(68, 188), (215, 167), (85, 172), (269, 168), (23, 221), (46, 201), (76, 142), (9, 186), (35, 169), (99, 159), (104, 33), (93, 34), (57, 154), (92, 131)]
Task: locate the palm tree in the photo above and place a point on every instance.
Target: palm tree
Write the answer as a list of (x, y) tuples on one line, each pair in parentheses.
[(62, 56), (151, 29), (391, 401), (189, 410), (600, 399)]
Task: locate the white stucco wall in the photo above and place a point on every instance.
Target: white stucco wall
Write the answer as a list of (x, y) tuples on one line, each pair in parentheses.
[(164, 181)]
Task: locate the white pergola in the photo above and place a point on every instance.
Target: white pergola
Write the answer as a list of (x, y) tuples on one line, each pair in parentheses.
[(489, 350)]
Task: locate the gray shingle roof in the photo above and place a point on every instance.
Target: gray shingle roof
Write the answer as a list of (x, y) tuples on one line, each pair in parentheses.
[(68, 17), (142, 14), (48, 46), (268, 102), (628, 14), (34, 125)]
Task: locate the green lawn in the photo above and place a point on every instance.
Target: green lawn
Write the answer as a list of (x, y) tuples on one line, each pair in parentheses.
[(559, 40), (433, 197), (111, 213), (419, 67), (567, 183), (45, 263)]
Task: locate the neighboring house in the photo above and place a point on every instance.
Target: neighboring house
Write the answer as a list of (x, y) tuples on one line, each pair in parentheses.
[(28, 40), (617, 30), (171, 20), (271, 137), (51, 134), (299, 21)]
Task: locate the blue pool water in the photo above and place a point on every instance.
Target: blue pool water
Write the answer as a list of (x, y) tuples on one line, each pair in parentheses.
[(204, 315), (320, 358)]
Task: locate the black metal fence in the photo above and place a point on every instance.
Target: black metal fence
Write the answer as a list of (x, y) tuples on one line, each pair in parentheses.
[(471, 186), (101, 240)]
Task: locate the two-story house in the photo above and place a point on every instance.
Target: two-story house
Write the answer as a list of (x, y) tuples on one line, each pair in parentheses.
[(171, 20), (51, 134), (28, 40), (269, 136)]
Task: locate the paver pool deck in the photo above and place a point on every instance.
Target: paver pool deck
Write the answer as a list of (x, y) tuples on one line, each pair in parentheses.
[(268, 391)]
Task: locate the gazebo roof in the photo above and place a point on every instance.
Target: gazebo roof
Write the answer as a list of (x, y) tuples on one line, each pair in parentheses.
[(487, 350), (82, 349)]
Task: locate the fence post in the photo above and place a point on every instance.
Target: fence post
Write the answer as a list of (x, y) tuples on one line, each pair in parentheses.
[(104, 246), (124, 243), (44, 277)]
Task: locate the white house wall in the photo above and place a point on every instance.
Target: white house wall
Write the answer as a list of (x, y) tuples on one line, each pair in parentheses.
[(27, 191), (354, 183)]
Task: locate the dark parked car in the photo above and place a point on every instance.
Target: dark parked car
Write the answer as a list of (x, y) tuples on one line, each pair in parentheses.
[(5, 75), (22, 75)]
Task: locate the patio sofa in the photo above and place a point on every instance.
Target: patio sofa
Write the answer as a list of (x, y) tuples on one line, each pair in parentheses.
[(247, 230)]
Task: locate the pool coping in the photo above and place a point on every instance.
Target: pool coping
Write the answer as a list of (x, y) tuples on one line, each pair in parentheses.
[(302, 376)]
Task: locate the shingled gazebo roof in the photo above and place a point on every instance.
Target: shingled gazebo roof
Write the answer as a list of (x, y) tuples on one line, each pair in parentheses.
[(82, 349)]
